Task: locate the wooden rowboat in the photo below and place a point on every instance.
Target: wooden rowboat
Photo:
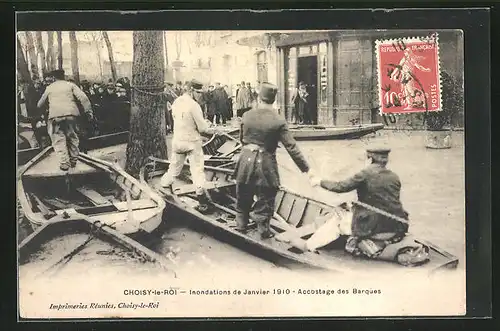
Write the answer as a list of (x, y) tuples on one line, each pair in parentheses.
[(26, 154), (87, 244), (221, 149), (96, 188), (319, 132), (296, 217)]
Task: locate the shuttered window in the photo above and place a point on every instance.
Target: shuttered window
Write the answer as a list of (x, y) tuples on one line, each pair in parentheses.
[(354, 81)]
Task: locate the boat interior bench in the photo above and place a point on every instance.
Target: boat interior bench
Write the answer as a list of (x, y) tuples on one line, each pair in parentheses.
[(110, 207), (190, 188), (227, 148)]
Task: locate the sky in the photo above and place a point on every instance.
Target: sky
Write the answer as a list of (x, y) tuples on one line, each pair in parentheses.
[(122, 42)]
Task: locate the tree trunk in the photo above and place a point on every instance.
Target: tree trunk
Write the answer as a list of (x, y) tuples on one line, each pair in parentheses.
[(110, 54), (74, 56), (59, 50), (51, 59), (147, 122), (40, 50), (166, 50), (32, 53), (30, 95)]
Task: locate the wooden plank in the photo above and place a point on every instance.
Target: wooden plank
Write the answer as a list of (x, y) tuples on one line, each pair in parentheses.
[(190, 188), (46, 212), (58, 204), (93, 210), (135, 204), (139, 216), (302, 231), (95, 197), (286, 205), (228, 148), (298, 210), (277, 201), (311, 212), (49, 167)]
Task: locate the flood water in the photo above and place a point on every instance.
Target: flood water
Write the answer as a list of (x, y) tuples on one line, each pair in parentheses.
[(432, 192)]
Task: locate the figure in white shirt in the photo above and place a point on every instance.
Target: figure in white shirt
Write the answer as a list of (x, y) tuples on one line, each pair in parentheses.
[(189, 125)]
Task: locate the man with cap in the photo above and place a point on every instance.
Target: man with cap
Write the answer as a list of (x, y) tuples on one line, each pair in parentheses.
[(243, 100), (189, 124), (62, 117), (379, 222), (256, 171)]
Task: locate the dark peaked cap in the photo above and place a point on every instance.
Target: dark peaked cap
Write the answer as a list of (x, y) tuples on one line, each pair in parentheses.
[(379, 150), (196, 85), (268, 92)]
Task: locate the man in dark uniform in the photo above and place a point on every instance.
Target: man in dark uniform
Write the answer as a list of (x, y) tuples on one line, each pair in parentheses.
[(379, 223), (256, 172)]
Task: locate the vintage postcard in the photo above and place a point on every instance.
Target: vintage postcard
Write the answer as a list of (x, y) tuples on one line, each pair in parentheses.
[(240, 173)]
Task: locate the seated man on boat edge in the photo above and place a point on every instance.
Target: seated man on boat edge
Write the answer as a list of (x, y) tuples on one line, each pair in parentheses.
[(189, 125), (380, 224), (256, 171)]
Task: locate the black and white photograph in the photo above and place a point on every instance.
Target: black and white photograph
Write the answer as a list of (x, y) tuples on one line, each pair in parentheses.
[(240, 173)]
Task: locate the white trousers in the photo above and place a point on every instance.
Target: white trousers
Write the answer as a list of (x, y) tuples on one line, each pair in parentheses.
[(194, 153)]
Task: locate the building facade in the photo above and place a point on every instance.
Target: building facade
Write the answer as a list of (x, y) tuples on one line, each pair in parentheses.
[(340, 69)]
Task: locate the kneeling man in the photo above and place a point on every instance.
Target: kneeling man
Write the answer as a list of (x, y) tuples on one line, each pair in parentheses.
[(379, 232)]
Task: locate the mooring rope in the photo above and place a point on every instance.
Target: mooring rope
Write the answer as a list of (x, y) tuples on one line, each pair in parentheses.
[(382, 212)]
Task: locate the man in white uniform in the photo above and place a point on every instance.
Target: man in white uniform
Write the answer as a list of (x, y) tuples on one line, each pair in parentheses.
[(189, 124)]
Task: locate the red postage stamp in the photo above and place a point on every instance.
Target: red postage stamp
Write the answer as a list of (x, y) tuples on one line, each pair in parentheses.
[(409, 79)]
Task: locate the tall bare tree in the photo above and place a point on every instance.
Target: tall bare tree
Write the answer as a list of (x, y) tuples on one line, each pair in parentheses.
[(32, 53), (59, 50), (110, 55), (40, 50), (73, 43), (30, 95), (51, 59), (95, 38), (147, 122)]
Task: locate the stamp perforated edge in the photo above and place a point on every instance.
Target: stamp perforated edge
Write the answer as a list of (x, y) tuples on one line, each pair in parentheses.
[(388, 42)]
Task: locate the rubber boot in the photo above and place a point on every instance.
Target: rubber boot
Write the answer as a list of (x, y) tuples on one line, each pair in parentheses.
[(241, 222), (265, 230)]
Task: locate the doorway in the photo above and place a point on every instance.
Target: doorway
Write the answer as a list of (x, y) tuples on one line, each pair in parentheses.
[(307, 72)]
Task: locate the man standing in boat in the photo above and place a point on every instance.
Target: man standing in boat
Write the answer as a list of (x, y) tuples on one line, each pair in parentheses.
[(380, 223), (256, 172), (189, 125), (62, 118)]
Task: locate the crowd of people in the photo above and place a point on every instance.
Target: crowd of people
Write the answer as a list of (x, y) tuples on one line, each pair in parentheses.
[(216, 101), (110, 104)]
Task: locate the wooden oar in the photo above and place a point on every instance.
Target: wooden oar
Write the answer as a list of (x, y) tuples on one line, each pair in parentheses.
[(70, 255), (46, 212)]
